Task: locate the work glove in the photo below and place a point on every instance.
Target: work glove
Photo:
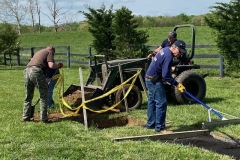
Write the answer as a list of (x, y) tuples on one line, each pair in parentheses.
[(60, 64), (180, 87)]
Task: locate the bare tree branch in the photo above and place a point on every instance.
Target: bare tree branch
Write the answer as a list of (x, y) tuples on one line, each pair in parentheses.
[(56, 14), (14, 9)]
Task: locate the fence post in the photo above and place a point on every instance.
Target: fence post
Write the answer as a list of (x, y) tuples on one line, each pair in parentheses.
[(32, 51), (18, 56), (68, 56), (221, 66), (90, 55), (4, 58)]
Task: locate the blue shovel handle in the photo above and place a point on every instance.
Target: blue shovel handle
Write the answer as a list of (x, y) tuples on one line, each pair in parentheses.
[(205, 105)]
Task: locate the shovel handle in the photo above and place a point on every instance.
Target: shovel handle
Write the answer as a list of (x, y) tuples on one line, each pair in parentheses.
[(205, 105)]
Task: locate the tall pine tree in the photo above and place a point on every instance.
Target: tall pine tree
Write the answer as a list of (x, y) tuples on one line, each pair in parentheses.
[(100, 26), (115, 34), (129, 41)]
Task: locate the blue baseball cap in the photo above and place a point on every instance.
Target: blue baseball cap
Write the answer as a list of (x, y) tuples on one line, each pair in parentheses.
[(181, 46), (172, 34)]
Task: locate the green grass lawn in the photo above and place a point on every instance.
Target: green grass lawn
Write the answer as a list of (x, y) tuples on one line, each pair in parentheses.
[(68, 139)]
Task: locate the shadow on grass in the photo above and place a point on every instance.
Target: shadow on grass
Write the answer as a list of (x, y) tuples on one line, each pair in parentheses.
[(213, 100)]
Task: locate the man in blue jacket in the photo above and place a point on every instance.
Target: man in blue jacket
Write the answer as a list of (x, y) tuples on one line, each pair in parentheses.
[(159, 71), (172, 37)]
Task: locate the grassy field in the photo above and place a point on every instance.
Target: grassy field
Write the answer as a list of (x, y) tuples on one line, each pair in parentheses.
[(67, 139), (80, 41)]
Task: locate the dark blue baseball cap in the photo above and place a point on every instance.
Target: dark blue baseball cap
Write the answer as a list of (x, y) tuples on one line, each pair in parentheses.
[(181, 46), (172, 34)]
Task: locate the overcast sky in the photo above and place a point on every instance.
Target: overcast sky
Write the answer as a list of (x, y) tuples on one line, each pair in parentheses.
[(138, 7)]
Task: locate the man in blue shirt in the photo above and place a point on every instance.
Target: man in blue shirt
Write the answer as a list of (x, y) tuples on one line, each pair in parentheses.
[(172, 37), (159, 71)]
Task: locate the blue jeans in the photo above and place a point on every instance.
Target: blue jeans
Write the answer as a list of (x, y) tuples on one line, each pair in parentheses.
[(51, 86), (157, 105)]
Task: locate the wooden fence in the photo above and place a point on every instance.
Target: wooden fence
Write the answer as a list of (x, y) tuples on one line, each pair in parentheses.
[(219, 65), (63, 54)]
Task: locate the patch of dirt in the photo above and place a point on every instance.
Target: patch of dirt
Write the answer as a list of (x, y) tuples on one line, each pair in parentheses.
[(100, 121)]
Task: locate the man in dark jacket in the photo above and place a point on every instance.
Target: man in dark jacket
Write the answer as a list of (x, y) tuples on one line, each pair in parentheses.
[(35, 76), (159, 71), (172, 37)]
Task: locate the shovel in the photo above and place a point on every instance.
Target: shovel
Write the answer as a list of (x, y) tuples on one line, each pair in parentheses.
[(205, 105), (32, 109)]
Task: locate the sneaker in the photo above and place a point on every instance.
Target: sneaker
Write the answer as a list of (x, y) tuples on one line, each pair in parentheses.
[(164, 131)]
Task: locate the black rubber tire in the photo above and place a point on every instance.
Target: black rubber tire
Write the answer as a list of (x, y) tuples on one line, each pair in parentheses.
[(134, 98), (194, 83)]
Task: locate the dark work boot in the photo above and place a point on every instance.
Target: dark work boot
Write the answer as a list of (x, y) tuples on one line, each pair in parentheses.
[(47, 121), (30, 119)]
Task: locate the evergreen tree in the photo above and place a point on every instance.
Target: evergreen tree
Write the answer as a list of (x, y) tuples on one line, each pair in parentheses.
[(129, 41), (115, 35), (225, 20), (100, 26)]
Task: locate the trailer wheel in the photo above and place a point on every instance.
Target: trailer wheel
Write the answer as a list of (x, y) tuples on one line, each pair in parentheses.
[(134, 98), (194, 83)]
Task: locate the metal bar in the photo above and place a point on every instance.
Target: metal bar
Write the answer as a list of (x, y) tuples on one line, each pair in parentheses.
[(220, 123), (170, 136)]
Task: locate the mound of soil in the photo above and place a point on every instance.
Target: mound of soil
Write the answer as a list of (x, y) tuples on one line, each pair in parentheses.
[(75, 98)]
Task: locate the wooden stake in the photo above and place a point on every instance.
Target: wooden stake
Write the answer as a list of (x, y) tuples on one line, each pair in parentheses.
[(121, 77), (143, 84), (83, 98)]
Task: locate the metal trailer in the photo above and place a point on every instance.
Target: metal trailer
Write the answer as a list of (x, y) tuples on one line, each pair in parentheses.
[(105, 75)]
